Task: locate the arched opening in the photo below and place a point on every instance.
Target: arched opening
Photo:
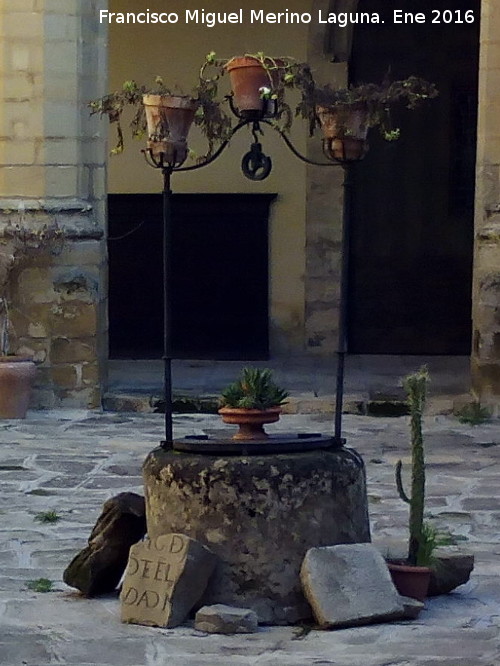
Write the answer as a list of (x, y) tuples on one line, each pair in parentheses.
[(413, 206)]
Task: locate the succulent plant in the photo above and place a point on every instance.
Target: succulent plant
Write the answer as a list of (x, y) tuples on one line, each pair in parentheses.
[(254, 389)]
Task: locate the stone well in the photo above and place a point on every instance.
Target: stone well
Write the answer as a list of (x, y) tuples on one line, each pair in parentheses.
[(259, 514)]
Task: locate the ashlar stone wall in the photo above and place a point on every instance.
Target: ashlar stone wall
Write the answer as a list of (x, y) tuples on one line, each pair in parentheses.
[(52, 189), (486, 284)]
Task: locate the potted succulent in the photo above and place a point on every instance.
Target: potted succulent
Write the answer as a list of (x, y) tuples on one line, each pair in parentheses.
[(412, 576), (250, 402), (165, 117), (17, 370), (346, 115)]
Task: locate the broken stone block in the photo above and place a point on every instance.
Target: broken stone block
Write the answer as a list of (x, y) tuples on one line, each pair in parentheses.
[(98, 568), (349, 585), (165, 578), (222, 619), (451, 569), (412, 608)]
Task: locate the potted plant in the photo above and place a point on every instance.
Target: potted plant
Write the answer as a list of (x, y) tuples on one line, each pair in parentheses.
[(250, 402), (346, 115), (258, 83), (165, 117), (17, 370), (412, 576)]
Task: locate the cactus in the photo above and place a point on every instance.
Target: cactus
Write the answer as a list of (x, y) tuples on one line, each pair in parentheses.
[(415, 386)]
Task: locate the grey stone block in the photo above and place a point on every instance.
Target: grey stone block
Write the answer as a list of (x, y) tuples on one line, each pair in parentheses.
[(222, 619), (349, 585), (98, 568)]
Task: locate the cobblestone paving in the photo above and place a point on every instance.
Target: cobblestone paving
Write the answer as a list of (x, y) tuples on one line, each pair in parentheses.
[(71, 462)]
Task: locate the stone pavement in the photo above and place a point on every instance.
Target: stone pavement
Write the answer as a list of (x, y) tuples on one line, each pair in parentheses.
[(71, 462), (136, 385)]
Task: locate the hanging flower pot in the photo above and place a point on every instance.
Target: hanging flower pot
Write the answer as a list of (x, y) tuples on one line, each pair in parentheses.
[(345, 130), (16, 376), (169, 119), (248, 76)]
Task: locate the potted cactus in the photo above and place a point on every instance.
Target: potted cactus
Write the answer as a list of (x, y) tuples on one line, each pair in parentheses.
[(250, 402), (412, 576)]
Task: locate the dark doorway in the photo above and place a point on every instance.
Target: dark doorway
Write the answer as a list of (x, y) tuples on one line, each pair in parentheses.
[(219, 286), (411, 253)]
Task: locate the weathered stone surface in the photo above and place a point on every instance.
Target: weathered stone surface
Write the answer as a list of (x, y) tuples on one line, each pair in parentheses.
[(165, 578), (411, 607), (259, 514), (98, 568), (452, 568), (349, 585), (222, 619)]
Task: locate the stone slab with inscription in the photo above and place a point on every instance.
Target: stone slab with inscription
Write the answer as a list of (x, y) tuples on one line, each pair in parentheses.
[(164, 579)]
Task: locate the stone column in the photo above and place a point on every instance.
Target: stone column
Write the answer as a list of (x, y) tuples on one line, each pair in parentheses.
[(323, 210), (52, 174), (486, 283)]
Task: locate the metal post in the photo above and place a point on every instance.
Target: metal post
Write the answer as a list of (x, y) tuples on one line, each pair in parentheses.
[(344, 285), (167, 352)]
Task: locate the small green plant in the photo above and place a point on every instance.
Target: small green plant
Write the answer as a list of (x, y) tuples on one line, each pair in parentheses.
[(40, 585), (420, 541), (255, 389), (47, 517), (474, 414)]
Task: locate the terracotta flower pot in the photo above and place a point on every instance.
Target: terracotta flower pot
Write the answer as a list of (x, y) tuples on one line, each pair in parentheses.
[(248, 76), (251, 421), (16, 377), (169, 119), (345, 131), (410, 581)]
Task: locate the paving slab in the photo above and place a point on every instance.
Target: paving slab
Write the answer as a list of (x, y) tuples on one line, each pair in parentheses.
[(70, 462)]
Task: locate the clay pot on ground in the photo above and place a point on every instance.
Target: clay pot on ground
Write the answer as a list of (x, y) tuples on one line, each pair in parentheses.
[(16, 377), (169, 119), (247, 76), (410, 581), (345, 131), (250, 421)]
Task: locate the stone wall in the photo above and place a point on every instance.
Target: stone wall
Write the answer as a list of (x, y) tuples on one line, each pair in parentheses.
[(486, 283), (52, 175)]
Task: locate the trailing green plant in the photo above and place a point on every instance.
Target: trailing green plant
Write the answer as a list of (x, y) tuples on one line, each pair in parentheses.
[(283, 73), (415, 386), (474, 414), (20, 244), (377, 100), (254, 389), (47, 517), (40, 585), (210, 116)]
